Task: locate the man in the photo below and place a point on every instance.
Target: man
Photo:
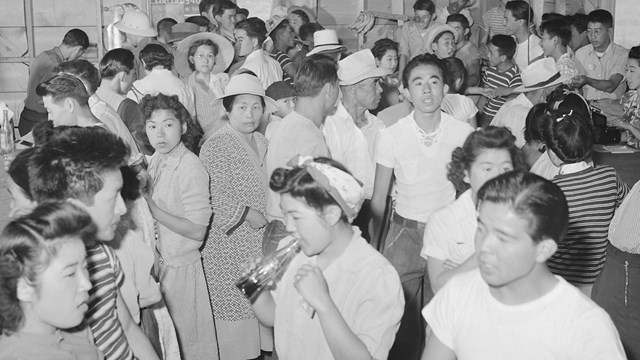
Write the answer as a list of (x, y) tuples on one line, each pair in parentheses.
[(67, 101), (465, 49), (284, 39), (413, 34), (556, 35), (74, 44), (512, 306), (579, 36), (415, 150), (351, 132), (137, 27), (83, 165), (326, 42), (455, 7), (300, 132), (519, 17), (221, 15), (250, 35), (602, 65), (163, 28)]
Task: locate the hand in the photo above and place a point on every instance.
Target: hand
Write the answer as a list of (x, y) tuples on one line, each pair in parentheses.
[(312, 286), (488, 93), (255, 219), (449, 265), (578, 81), (146, 183), (502, 91)]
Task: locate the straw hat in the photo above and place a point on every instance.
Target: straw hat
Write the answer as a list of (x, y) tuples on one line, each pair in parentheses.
[(223, 59), (437, 31), (539, 75), (326, 41), (359, 66), (310, 14), (248, 84), (136, 23), (182, 30), (273, 22)]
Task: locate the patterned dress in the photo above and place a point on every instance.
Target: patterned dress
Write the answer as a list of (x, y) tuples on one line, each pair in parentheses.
[(238, 182), (629, 102)]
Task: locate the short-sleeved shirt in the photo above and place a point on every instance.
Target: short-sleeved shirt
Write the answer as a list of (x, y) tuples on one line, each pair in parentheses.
[(493, 22), (40, 71), (614, 61), (450, 231), (283, 59), (493, 79), (459, 106), (294, 135), (420, 170), (527, 51), (264, 66), (561, 324), (624, 230), (513, 116), (566, 65), (413, 40), (366, 290)]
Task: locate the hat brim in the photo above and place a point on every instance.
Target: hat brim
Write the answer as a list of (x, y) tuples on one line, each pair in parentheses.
[(276, 25), (435, 33), (150, 32), (523, 89), (270, 104), (312, 17), (327, 48), (223, 60), (179, 36), (378, 72)]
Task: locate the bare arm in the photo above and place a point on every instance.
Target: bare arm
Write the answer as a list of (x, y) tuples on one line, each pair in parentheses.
[(265, 308), (381, 187), (139, 343), (435, 349), (474, 73), (602, 85)]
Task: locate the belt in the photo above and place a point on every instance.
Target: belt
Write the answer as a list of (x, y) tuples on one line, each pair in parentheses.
[(408, 223)]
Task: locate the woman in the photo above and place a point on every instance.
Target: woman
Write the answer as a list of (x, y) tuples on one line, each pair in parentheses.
[(201, 60), (235, 160), (250, 34)]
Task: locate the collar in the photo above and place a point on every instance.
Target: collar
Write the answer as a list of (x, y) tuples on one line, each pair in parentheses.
[(170, 160), (256, 53), (566, 169), (523, 99), (592, 50)]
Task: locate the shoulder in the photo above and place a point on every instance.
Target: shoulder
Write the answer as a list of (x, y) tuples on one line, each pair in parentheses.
[(454, 124)]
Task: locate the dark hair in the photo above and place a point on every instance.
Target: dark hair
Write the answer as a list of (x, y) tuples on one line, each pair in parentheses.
[(423, 59), (217, 7), (63, 86), (490, 137), (298, 183), (520, 10), (579, 21), (155, 54), (568, 135), (559, 28), (600, 16), (550, 16), (303, 16), (381, 46), (198, 20), (254, 29), (455, 70), (228, 102), (634, 53), (534, 199), (19, 170), (82, 69), (313, 73), (427, 5), (28, 245), (506, 45), (284, 25), (71, 162), (534, 122), (242, 11), (459, 18), (309, 29), (165, 24), (116, 61), (76, 37), (191, 137), (194, 47), (565, 100)]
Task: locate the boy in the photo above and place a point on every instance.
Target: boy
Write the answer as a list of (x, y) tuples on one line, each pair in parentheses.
[(412, 35), (519, 17), (419, 165), (579, 36), (512, 306), (500, 78), (556, 35), (222, 17), (285, 96), (465, 49), (83, 164)]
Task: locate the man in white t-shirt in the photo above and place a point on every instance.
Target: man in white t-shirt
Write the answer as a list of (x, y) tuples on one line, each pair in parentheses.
[(519, 17), (512, 306)]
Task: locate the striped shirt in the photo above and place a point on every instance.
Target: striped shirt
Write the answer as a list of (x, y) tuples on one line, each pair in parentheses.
[(624, 231), (593, 194), (493, 22), (106, 276), (284, 60), (493, 79)]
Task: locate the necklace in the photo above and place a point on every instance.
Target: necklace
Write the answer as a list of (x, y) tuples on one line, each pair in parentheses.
[(431, 138)]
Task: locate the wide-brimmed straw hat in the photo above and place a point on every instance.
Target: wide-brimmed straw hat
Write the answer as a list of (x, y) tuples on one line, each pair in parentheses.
[(136, 22), (248, 84), (273, 22), (181, 31), (359, 66), (304, 9), (539, 75), (223, 59), (326, 41), (437, 31)]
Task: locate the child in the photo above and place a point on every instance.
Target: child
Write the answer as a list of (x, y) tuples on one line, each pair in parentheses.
[(631, 120), (442, 41), (450, 232), (285, 96), (592, 194), (45, 284), (500, 78), (459, 106), (339, 298), (178, 197)]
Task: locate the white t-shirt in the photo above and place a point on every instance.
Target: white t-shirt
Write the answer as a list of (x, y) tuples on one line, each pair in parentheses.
[(513, 116), (561, 325), (459, 106), (450, 231), (523, 57), (420, 171)]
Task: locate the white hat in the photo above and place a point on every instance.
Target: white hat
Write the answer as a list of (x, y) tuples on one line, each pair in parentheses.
[(539, 75), (273, 22), (437, 31), (223, 59), (136, 23), (304, 9), (249, 84), (324, 41), (359, 66)]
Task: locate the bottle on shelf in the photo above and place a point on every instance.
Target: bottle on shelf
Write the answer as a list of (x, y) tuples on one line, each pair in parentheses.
[(6, 134)]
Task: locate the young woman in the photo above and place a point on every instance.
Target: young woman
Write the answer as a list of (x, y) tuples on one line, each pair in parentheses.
[(450, 232), (339, 298), (45, 284)]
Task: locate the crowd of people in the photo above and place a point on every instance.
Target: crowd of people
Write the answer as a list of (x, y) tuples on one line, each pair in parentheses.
[(441, 190)]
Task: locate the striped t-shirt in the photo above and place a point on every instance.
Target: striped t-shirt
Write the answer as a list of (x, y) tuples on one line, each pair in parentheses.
[(593, 195), (284, 60), (106, 276), (493, 79)]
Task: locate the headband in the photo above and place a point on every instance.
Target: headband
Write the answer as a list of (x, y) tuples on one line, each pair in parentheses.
[(342, 186)]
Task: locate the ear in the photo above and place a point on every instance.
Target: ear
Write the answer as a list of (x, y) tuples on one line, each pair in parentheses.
[(254, 42), (544, 250), (332, 214), (191, 59), (457, 84), (466, 32), (69, 104), (184, 127), (407, 94), (24, 291), (446, 89), (466, 177), (434, 46)]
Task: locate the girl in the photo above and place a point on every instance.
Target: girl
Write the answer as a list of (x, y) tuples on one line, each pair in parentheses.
[(235, 160), (18, 185), (45, 284), (178, 198), (449, 235), (631, 121), (339, 298), (593, 194)]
